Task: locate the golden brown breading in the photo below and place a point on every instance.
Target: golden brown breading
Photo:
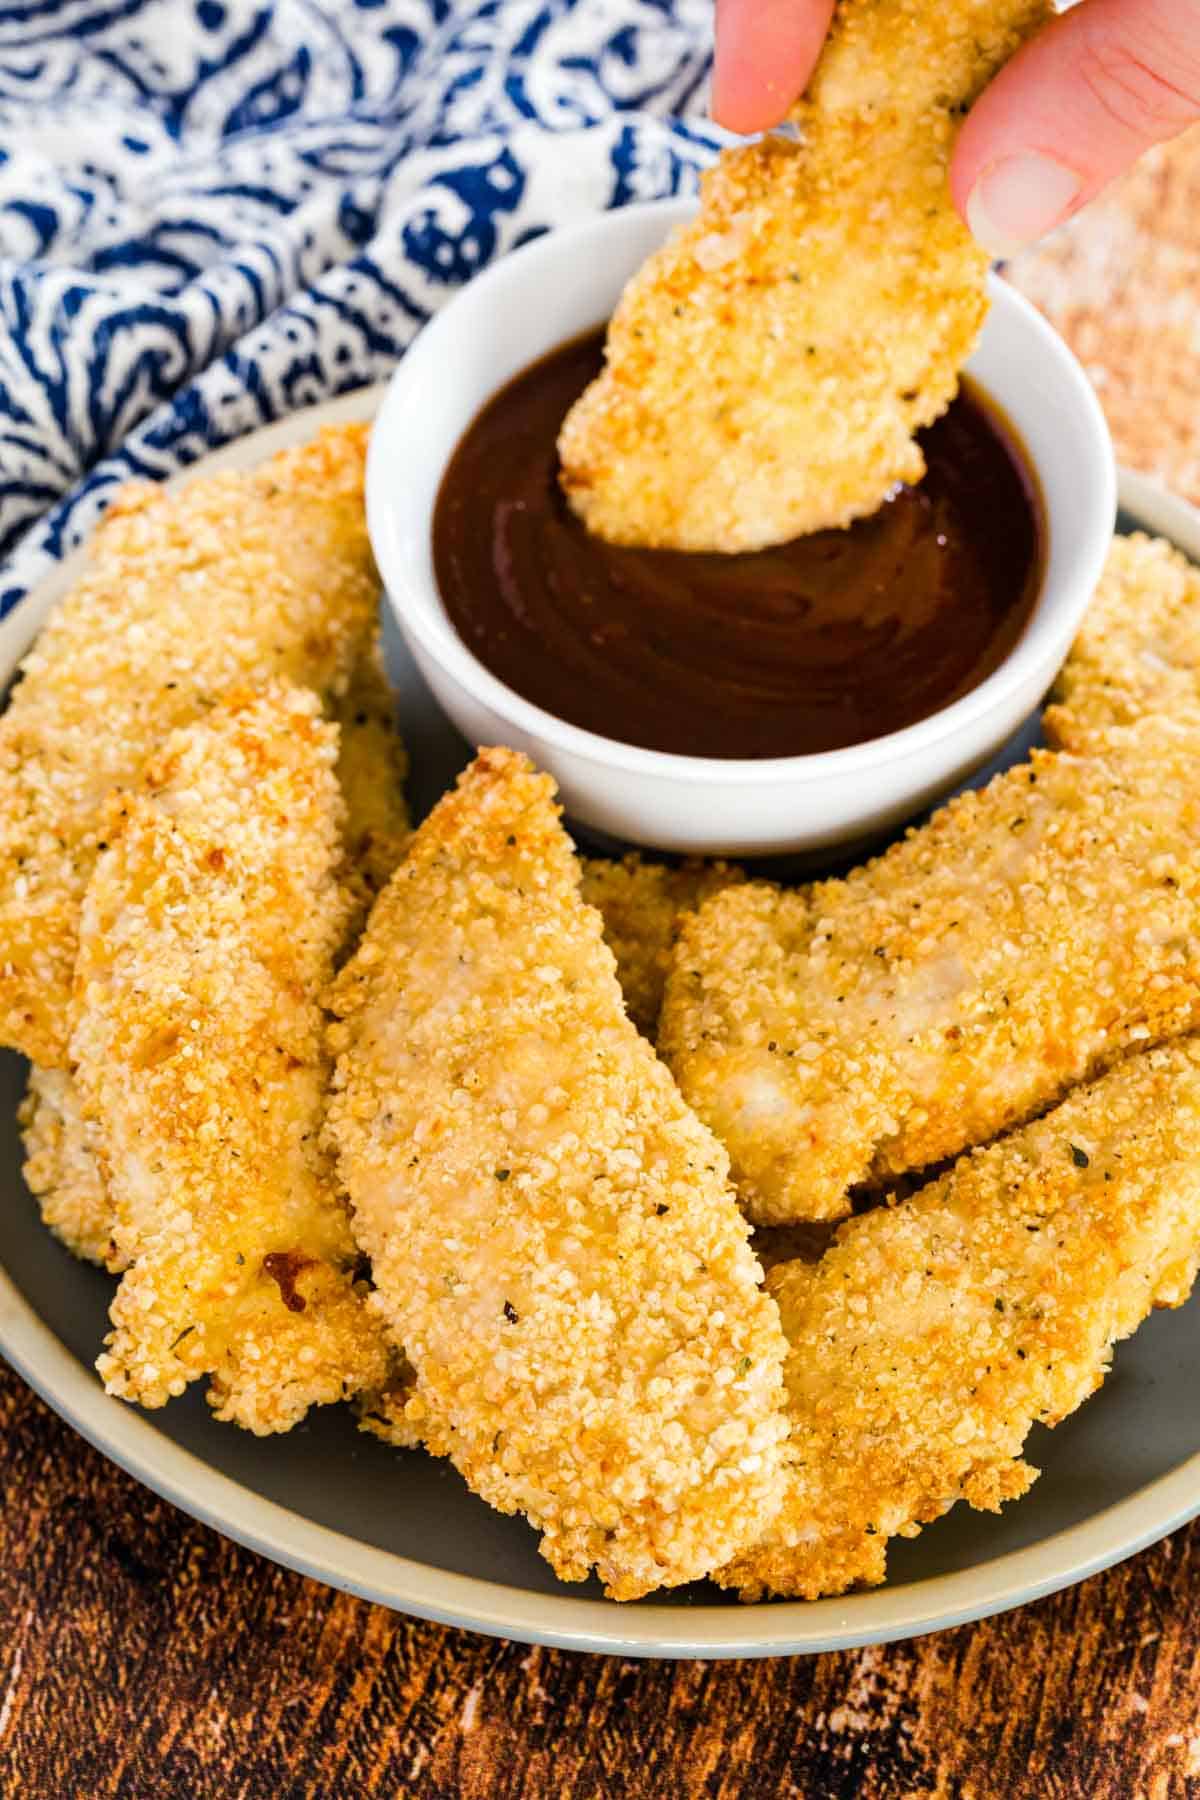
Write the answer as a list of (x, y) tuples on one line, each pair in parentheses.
[(552, 1232), (63, 1171), (208, 930), (1138, 650), (640, 903), (371, 769), (934, 1334), (1011, 947), (766, 369), (61, 1168), (383, 1412), (235, 577)]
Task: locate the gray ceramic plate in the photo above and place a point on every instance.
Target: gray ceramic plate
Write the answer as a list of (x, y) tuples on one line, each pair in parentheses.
[(402, 1529)]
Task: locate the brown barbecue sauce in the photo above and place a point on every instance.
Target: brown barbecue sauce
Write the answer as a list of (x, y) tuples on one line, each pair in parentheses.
[(826, 641)]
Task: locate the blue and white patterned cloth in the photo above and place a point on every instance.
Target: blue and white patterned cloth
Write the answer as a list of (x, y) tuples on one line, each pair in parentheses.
[(213, 212)]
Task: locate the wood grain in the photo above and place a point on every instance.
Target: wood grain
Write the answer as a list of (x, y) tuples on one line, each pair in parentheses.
[(142, 1657)]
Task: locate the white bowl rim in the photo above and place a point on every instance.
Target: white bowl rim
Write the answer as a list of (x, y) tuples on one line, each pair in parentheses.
[(458, 662)]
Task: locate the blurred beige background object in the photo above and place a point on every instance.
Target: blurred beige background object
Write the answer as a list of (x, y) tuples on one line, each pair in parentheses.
[(1122, 284)]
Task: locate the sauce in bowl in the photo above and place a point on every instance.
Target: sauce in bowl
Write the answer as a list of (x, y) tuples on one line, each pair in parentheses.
[(827, 641)]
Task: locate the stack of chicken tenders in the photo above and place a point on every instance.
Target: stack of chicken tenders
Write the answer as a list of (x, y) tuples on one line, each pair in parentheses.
[(355, 1113)]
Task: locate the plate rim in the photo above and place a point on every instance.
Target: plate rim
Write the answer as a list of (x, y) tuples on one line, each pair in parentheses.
[(773, 1628)]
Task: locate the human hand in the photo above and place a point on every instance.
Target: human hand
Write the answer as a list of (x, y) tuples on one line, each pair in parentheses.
[(1074, 107)]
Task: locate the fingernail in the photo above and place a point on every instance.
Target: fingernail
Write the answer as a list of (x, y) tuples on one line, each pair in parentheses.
[(1018, 200)]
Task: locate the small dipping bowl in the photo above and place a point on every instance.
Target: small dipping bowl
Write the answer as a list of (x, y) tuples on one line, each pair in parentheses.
[(567, 283)]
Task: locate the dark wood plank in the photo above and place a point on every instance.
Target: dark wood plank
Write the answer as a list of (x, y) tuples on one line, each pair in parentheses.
[(142, 1655)]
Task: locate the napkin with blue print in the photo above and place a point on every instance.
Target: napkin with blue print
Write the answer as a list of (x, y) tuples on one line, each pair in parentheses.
[(214, 212)]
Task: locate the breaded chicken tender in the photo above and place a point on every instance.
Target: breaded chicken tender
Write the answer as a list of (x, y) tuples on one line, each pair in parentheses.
[(61, 1169), (552, 1233), (1013, 946), (208, 931), (235, 577), (767, 369), (640, 903), (934, 1334), (1138, 650)]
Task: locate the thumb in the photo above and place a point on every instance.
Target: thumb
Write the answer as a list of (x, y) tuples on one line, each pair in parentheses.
[(1075, 106)]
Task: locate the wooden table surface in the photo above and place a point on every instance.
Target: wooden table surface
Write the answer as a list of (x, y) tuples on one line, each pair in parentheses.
[(144, 1657)]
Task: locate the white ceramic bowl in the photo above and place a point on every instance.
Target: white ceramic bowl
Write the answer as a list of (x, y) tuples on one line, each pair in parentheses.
[(567, 282)]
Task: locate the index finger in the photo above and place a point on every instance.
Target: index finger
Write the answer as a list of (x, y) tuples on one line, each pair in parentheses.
[(765, 52)]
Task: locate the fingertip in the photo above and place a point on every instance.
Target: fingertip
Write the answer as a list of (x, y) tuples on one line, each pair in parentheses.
[(1022, 162), (743, 103), (765, 52), (1073, 108), (999, 125)]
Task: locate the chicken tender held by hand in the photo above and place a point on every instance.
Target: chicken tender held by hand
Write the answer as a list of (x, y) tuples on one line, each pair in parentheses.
[(1015, 945), (768, 368), (1138, 650), (208, 932), (933, 1334), (234, 577), (640, 903), (551, 1231)]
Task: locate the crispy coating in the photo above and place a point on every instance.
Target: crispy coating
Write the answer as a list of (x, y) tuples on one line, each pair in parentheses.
[(1011, 947), (552, 1232), (767, 369), (236, 577), (61, 1169), (383, 1412), (1138, 650), (371, 769), (640, 903), (934, 1334), (209, 928)]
